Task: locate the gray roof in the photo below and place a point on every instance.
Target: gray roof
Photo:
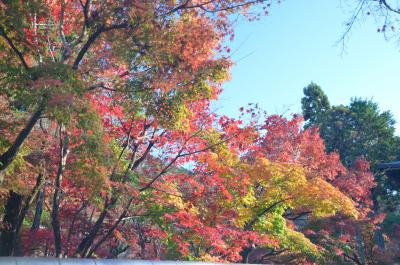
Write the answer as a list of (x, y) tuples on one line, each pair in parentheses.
[(395, 165)]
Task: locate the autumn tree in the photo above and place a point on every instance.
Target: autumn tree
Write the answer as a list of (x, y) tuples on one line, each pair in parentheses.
[(101, 99), (256, 188), (109, 146)]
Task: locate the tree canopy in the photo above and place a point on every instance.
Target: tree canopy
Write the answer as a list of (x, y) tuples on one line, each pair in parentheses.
[(109, 147)]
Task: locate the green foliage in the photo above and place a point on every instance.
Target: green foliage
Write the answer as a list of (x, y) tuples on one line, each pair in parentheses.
[(17, 165), (390, 220), (359, 129), (54, 86), (314, 104)]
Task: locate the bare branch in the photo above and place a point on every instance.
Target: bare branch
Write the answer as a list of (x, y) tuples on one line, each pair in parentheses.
[(350, 23), (273, 252), (166, 192), (389, 7), (163, 171), (86, 23), (175, 9)]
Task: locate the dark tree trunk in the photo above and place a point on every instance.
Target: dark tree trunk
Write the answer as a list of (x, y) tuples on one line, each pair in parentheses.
[(111, 230), (8, 156), (38, 210), (84, 247), (22, 214), (245, 254), (379, 240), (360, 248), (10, 223)]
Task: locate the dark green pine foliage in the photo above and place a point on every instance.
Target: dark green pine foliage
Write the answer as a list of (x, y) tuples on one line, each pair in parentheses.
[(357, 130), (314, 104)]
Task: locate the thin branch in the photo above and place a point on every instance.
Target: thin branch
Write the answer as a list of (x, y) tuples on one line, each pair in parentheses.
[(249, 225), (163, 171), (354, 258), (272, 253), (297, 216), (115, 255), (101, 29), (86, 23), (65, 47), (166, 192), (350, 23), (111, 230), (208, 147), (389, 7), (85, 9), (100, 85), (72, 225), (139, 215), (181, 154), (15, 49), (181, 6), (227, 8)]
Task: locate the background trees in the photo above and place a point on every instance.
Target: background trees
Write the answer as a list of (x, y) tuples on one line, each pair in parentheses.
[(314, 104), (359, 129)]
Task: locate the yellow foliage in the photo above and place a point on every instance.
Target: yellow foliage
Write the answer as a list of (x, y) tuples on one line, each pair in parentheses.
[(289, 182), (277, 187)]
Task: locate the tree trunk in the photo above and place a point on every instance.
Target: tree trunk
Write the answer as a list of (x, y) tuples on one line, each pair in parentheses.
[(8, 156), (84, 247), (22, 214), (38, 210), (245, 254), (111, 230), (378, 236), (10, 223), (55, 222), (360, 247)]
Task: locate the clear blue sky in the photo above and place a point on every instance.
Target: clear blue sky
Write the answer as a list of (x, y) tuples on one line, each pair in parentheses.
[(296, 44)]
